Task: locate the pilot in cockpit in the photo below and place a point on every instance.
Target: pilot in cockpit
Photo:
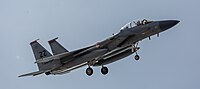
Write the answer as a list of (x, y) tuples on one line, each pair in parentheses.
[(138, 23), (143, 22)]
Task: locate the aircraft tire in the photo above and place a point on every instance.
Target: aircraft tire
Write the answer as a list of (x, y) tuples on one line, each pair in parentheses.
[(89, 71), (137, 57), (104, 70)]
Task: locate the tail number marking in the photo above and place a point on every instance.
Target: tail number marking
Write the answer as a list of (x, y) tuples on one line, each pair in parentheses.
[(42, 53)]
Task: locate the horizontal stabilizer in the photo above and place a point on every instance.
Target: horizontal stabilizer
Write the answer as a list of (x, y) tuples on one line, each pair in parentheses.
[(32, 74)]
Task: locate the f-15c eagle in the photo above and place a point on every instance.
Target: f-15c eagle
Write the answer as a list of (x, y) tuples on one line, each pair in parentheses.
[(114, 48)]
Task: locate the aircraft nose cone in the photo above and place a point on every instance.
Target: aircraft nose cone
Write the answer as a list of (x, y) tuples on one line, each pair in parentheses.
[(164, 25)]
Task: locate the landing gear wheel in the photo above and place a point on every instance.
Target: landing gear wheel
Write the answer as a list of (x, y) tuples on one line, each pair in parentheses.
[(89, 71), (137, 57), (104, 70)]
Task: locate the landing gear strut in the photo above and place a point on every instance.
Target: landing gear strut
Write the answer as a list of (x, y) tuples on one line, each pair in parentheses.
[(135, 49), (89, 71), (104, 70)]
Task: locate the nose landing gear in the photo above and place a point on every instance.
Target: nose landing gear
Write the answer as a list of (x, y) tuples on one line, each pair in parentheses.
[(137, 57), (135, 49)]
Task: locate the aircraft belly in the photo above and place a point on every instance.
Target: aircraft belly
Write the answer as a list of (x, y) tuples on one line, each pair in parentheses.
[(115, 57), (85, 58)]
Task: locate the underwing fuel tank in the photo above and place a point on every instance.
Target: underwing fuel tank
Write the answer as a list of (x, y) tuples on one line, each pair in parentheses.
[(114, 57)]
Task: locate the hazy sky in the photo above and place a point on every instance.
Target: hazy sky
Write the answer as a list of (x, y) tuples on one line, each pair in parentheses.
[(168, 62)]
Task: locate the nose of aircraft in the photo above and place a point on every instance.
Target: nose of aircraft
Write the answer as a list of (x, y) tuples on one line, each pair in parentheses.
[(164, 25)]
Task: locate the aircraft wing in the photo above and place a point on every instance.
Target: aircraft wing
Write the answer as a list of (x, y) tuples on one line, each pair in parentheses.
[(73, 68), (32, 73)]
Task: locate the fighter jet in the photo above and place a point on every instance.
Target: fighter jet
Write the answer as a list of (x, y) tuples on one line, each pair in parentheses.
[(114, 48)]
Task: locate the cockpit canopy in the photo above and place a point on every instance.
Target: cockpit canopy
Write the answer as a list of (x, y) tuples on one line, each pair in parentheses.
[(138, 23)]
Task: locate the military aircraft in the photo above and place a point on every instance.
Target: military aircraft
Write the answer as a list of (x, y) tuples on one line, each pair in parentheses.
[(114, 48)]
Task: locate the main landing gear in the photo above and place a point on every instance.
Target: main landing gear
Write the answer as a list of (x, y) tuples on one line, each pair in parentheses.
[(135, 49), (89, 70), (104, 70)]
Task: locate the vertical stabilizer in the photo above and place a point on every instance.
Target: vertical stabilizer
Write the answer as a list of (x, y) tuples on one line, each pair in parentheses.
[(56, 47), (40, 52)]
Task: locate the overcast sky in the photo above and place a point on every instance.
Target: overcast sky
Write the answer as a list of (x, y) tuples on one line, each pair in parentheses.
[(168, 62)]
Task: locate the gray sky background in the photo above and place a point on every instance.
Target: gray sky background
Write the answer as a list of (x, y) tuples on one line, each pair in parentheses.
[(168, 62)]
